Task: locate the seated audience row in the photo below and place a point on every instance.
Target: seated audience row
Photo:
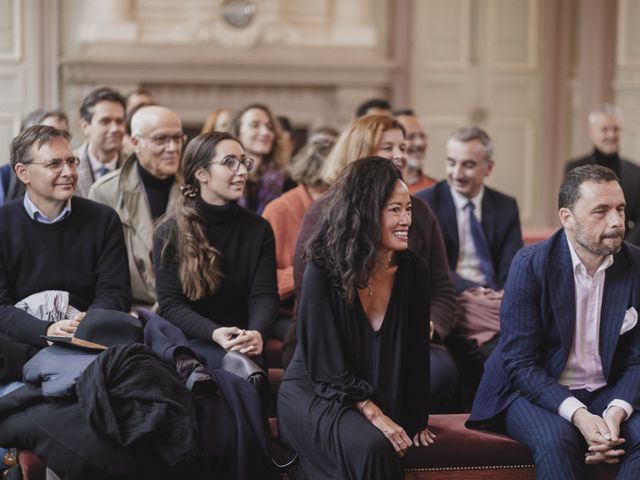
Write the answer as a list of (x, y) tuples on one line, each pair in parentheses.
[(200, 254)]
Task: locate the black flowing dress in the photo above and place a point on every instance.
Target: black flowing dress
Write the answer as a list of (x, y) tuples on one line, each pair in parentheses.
[(340, 360)]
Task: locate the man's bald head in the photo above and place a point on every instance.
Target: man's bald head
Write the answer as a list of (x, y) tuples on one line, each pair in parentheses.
[(156, 133), (150, 116)]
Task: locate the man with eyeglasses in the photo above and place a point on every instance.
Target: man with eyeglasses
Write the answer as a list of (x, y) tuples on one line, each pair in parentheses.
[(142, 190), (102, 119), (53, 240)]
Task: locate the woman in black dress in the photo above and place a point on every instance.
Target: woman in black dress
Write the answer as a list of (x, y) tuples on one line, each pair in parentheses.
[(355, 395), (214, 260)]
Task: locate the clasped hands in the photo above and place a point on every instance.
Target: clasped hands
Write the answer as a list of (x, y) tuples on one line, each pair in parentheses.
[(394, 432), (234, 339), (602, 434)]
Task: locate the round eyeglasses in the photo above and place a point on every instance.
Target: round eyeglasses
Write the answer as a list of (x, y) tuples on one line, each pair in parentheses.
[(57, 164), (233, 163)]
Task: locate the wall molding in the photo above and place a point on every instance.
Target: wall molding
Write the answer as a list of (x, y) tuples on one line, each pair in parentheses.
[(15, 55)]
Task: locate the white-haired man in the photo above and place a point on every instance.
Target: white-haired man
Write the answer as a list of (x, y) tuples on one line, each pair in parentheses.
[(142, 190), (605, 128)]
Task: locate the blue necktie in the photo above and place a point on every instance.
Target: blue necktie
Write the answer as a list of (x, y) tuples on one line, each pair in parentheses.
[(103, 171), (482, 248)]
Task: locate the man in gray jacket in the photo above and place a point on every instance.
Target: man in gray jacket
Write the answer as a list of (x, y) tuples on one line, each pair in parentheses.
[(143, 189)]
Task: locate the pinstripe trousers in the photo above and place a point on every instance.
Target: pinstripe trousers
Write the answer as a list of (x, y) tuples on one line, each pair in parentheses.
[(558, 447)]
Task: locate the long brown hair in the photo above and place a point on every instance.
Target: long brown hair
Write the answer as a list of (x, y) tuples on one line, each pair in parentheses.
[(275, 159), (200, 269), (212, 120)]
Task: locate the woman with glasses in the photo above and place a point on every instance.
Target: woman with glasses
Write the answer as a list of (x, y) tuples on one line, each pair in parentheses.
[(261, 136), (214, 260)]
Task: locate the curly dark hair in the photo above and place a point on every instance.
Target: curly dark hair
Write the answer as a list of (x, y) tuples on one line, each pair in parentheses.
[(346, 240)]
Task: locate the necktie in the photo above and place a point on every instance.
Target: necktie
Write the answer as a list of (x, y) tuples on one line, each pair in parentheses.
[(482, 248), (103, 171)]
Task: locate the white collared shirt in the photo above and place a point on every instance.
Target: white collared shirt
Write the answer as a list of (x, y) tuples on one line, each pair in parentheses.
[(583, 370), (36, 214), (468, 265), (97, 165)]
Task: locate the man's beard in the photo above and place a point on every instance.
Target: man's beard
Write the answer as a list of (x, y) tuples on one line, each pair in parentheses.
[(598, 247)]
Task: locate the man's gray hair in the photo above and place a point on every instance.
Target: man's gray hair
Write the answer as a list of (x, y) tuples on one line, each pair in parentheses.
[(605, 109), (468, 134)]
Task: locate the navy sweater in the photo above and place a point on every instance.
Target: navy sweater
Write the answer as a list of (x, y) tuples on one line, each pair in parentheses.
[(84, 254)]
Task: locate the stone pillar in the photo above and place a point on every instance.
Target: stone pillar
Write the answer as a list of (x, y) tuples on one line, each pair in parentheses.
[(595, 64), (627, 79)]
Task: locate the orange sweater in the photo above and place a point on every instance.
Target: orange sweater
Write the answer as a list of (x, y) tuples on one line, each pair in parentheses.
[(424, 182), (285, 215)]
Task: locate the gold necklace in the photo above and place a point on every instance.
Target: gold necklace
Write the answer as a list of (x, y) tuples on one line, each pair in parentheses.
[(384, 262), (369, 289)]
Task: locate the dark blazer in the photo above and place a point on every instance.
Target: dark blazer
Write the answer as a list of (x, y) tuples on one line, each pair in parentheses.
[(630, 182), (500, 223), (537, 324), (86, 177)]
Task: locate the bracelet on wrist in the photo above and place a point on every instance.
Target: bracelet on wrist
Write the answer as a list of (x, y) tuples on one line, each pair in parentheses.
[(362, 405)]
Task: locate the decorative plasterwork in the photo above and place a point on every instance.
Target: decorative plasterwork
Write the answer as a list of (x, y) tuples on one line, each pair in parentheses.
[(10, 30)]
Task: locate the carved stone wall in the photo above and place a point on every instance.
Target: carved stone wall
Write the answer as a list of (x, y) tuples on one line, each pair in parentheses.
[(313, 60), (27, 78)]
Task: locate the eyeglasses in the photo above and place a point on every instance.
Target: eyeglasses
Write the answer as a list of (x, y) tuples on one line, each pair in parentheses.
[(163, 140), (57, 164), (233, 163)]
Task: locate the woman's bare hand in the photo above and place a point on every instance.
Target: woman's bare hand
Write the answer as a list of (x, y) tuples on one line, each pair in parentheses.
[(226, 337), (251, 343), (424, 437), (394, 432)]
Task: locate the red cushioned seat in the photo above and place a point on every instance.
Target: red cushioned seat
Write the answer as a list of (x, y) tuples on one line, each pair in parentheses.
[(458, 446), (32, 466), (274, 353), (461, 453), (457, 454)]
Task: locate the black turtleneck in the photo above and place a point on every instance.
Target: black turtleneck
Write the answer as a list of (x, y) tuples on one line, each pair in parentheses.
[(157, 189), (248, 295), (611, 161)]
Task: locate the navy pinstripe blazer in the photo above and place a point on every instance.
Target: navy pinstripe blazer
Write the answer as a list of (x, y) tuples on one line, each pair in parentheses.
[(537, 325)]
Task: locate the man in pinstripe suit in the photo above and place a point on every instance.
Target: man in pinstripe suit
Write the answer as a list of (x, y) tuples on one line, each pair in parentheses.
[(565, 376)]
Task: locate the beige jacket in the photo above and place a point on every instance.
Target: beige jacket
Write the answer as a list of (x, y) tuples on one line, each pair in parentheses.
[(124, 192)]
